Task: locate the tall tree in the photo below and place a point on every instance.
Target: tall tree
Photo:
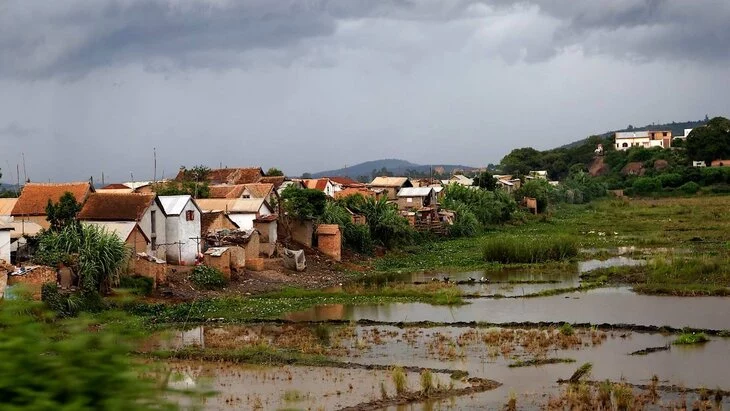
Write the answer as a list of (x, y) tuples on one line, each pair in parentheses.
[(63, 213), (710, 142), (273, 171)]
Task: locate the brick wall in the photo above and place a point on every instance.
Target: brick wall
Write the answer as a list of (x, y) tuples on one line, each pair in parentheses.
[(329, 240)]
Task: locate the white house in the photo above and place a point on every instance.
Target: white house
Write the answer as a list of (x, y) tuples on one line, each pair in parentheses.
[(461, 180), (686, 133), (646, 139), (182, 228), (145, 209), (5, 242), (242, 211)]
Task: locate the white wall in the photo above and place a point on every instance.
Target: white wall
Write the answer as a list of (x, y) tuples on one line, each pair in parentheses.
[(179, 229), (244, 221), (146, 225), (5, 245)]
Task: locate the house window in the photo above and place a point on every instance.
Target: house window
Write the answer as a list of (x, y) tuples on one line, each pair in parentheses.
[(153, 221), (189, 215), (664, 134), (626, 144), (409, 200)]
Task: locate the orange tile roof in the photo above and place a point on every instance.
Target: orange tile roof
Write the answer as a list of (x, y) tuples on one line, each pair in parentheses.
[(116, 207), (277, 181), (350, 191), (226, 191), (35, 196), (346, 181), (258, 190), (117, 186)]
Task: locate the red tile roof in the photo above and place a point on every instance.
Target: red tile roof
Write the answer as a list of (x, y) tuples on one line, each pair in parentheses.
[(346, 181), (277, 181), (117, 186), (350, 191), (259, 190), (116, 207), (35, 196), (226, 191)]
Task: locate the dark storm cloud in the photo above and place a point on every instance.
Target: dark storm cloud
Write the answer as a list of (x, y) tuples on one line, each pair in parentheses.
[(44, 39)]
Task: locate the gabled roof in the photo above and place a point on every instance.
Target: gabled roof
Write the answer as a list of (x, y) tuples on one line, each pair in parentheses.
[(226, 191), (117, 186), (230, 175), (277, 181), (350, 191), (122, 229), (35, 196), (259, 190), (207, 218), (415, 192), (389, 181), (346, 181), (7, 205), (234, 205), (174, 205), (316, 183), (116, 207)]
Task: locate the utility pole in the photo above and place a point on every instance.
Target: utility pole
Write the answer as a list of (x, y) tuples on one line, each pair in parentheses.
[(154, 154), (25, 174), (102, 179)]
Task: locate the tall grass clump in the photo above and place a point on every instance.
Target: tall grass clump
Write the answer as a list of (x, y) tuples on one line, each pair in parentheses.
[(399, 380), (508, 250), (688, 338), (427, 384)]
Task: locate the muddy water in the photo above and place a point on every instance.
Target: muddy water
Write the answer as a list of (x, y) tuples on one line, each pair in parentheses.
[(519, 282), (605, 305), (248, 387)]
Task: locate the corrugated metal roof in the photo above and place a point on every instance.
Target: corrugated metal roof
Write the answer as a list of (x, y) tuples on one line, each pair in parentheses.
[(231, 205), (415, 192), (388, 181), (174, 205), (6, 205)]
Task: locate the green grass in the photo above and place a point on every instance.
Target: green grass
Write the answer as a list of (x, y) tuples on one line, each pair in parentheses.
[(508, 249), (691, 338)]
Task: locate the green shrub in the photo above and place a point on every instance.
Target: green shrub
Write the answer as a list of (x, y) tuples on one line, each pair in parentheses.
[(521, 250), (137, 284), (488, 207), (691, 338), (690, 187), (537, 189), (567, 329), (646, 185), (71, 303), (70, 364), (208, 278)]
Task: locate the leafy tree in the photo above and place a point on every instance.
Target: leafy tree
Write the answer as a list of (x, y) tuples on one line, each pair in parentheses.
[(647, 185), (537, 189), (355, 236), (387, 227), (303, 203), (273, 171), (197, 173), (63, 213), (489, 207), (306, 175), (522, 160), (710, 142), (187, 187), (485, 180)]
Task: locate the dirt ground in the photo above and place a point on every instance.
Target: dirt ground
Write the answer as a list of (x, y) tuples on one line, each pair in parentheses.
[(321, 272)]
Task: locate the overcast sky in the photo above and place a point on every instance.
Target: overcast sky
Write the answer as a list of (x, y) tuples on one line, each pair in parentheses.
[(91, 86)]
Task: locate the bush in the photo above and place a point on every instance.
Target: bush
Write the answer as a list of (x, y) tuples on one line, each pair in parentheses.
[(465, 222), (508, 250), (691, 338), (69, 304), (138, 284), (488, 207), (646, 185), (208, 278), (71, 364), (303, 203), (356, 236), (690, 188), (537, 189), (671, 180)]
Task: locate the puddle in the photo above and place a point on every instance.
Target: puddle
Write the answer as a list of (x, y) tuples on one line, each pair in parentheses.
[(618, 305), (590, 265)]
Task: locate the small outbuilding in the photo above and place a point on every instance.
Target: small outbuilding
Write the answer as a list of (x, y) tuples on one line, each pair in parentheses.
[(182, 228)]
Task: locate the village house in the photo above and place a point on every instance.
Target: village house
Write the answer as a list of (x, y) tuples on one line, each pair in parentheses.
[(460, 179), (720, 163), (128, 231), (647, 139), (31, 205), (212, 221), (242, 211), (389, 187), (350, 191), (143, 209), (267, 226), (182, 228), (410, 198), (6, 209), (686, 133), (343, 183), (320, 184), (226, 191), (296, 183), (230, 176), (537, 175), (253, 190), (507, 183)]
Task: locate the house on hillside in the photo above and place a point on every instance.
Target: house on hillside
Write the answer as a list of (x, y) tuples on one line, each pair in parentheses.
[(410, 198), (31, 205), (230, 176), (646, 139), (320, 184), (242, 211), (128, 231), (182, 228), (143, 209), (389, 187)]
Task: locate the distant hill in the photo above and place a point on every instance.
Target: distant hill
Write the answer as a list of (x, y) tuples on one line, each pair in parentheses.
[(676, 128), (395, 166)]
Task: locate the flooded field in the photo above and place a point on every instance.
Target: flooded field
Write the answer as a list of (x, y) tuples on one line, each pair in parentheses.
[(499, 354), (614, 305)]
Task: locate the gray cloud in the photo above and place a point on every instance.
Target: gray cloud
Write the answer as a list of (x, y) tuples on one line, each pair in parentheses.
[(17, 131), (41, 39)]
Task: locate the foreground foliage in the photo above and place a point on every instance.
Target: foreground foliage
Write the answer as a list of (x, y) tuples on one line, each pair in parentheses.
[(71, 365)]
